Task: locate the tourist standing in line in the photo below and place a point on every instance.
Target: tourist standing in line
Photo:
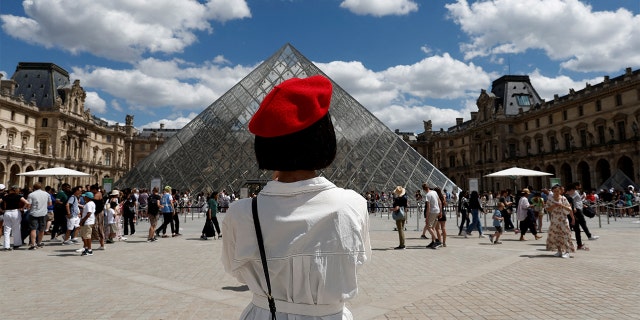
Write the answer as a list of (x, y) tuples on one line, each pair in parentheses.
[(129, 214), (12, 204), (98, 226), (475, 206), (87, 221), (60, 212), (39, 201)]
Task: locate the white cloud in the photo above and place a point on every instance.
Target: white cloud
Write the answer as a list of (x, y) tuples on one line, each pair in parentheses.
[(411, 118), (566, 30), (379, 8), (156, 83), (548, 87), (176, 123), (95, 103), (119, 29)]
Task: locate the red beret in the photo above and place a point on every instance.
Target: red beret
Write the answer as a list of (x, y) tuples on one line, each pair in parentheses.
[(291, 106)]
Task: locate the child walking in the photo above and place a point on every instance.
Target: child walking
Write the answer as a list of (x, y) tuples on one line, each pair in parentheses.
[(497, 223)]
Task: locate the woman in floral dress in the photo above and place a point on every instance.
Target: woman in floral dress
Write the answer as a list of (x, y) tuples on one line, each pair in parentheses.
[(559, 236)]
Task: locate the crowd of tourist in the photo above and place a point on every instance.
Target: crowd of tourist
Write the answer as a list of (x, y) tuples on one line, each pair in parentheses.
[(81, 214)]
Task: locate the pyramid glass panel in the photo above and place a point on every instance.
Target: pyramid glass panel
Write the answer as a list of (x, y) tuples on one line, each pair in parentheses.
[(215, 150)]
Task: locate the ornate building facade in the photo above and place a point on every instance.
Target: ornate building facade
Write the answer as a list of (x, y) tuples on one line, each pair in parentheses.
[(586, 135), (44, 124)]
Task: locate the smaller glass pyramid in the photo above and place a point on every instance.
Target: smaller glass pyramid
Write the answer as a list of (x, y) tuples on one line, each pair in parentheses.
[(215, 150)]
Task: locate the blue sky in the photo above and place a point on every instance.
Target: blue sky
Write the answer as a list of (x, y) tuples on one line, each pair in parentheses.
[(164, 61)]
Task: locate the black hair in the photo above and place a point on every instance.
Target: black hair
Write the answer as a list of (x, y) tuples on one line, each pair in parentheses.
[(312, 148), (113, 204)]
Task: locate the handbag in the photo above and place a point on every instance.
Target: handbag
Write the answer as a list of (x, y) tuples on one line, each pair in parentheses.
[(263, 256), (588, 212), (398, 214)]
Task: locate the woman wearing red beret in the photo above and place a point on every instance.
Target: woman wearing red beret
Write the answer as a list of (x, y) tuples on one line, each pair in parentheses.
[(315, 235)]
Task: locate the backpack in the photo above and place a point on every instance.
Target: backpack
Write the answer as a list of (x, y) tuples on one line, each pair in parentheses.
[(152, 204)]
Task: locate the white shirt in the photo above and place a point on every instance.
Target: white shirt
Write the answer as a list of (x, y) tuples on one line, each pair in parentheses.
[(523, 205), (315, 236), (89, 209), (110, 213), (433, 202), (39, 201)]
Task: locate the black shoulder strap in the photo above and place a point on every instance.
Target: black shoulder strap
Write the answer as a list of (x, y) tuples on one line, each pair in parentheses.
[(263, 256)]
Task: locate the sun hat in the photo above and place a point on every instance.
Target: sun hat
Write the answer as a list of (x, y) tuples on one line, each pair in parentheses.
[(115, 192), (88, 194), (167, 187), (525, 190), (292, 106), (399, 191)]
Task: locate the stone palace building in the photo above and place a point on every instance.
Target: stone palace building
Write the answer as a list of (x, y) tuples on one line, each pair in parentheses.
[(587, 135), (44, 124)]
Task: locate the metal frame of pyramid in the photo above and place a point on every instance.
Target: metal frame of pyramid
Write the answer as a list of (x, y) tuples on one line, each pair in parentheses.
[(215, 150)]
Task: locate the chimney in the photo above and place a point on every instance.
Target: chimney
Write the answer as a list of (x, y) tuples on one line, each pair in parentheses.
[(458, 121), (161, 126)]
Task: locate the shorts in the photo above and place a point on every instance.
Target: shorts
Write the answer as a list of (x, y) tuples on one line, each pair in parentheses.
[(498, 229), (73, 223), (37, 223), (85, 231), (153, 220), (50, 216), (443, 218), (112, 228), (432, 219)]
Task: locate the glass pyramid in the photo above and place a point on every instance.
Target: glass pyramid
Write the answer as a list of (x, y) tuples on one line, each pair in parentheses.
[(215, 150)]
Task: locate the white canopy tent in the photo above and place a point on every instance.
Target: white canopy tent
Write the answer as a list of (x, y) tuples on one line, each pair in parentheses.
[(58, 172), (515, 172)]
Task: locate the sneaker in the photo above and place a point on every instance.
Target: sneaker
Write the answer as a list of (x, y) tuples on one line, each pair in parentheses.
[(444, 244), (437, 245), (558, 254), (75, 239), (123, 238), (81, 250), (87, 253), (132, 233), (8, 249), (41, 245), (150, 239), (566, 255), (203, 237), (497, 242), (594, 237), (538, 237), (109, 241), (32, 247), (399, 248), (491, 238), (424, 237), (430, 245), (482, 236), (66, 243)]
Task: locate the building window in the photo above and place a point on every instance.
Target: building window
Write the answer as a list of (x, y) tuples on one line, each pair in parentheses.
[(567, 141), (43, 146), (528, 147), (26, 119), (512, 150), (564, 115), (550, 119), (526, 126), (108, 138), (523, 100), (598, 105), (601, 138), (510, 128), (618, 99), (107, 159), (580, 110), (621, 131), (540, 146), (452, 161), (13, 116), (450, 143), (583, 137), (553, 142), (537, 123), (45, 122)]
